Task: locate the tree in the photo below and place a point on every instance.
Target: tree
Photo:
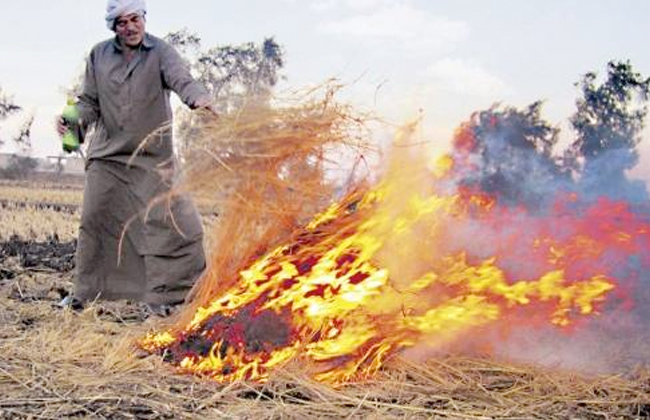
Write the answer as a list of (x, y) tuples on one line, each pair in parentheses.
[(610, 117), (21, 164), (508, 153), (7, 107), (236, 76), (23, 139), (608, 122)]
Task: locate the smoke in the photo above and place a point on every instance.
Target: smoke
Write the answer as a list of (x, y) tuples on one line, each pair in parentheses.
[(605, 175), (595, 219), (517, 176)]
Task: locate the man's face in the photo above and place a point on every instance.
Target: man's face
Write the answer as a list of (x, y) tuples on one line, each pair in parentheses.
[(130, 29)]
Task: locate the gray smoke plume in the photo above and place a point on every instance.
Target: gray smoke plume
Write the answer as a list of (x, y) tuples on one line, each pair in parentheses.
[(507, 154)]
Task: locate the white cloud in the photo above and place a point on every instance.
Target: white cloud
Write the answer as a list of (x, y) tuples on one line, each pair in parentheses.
[(329, 5), (324, 5), (400, 22), (464, 77)]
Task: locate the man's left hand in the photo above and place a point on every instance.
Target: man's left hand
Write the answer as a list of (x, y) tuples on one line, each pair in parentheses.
[(206, 103)]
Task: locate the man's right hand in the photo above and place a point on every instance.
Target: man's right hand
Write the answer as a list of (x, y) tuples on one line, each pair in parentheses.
[(61, 126)]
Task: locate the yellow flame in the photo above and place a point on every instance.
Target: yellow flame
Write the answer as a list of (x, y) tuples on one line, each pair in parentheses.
[(347, 314)]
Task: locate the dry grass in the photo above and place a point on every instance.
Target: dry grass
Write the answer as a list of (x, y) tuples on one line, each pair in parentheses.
[(39, 211), (36, 221), (43, 194), (59, 364)]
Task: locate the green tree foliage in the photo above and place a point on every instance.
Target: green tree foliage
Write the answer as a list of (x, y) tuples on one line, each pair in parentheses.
[(609, 117), (235, 75), (7, 107), (23, 139), (19, 167), (22, 164), (508, 152)]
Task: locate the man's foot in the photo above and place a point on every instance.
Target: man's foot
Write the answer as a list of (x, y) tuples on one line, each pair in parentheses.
[(71, 302)]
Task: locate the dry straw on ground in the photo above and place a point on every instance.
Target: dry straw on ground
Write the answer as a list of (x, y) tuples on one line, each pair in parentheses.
[(60, 364), (62, 194), (36, 222)]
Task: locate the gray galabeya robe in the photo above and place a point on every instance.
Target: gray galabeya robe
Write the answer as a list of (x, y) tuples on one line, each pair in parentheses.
[(128, 248)]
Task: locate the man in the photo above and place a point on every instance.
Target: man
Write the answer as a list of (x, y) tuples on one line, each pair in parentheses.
[(130, 245)]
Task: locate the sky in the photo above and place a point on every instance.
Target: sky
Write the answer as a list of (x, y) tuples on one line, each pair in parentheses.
[(400, 59)]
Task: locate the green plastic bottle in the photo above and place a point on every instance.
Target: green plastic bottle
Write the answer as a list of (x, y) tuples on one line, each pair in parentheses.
[(70, 115)]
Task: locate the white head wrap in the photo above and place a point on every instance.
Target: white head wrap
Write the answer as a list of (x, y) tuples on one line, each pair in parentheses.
[(117, 8)]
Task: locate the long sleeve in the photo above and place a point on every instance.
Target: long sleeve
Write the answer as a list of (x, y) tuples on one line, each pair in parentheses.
[(176, 75), (88, 100)]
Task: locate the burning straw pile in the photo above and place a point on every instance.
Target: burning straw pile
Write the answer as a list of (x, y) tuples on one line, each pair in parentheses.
[(319, 282)]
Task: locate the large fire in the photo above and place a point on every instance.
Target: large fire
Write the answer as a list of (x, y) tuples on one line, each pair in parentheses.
[(407, 262)]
